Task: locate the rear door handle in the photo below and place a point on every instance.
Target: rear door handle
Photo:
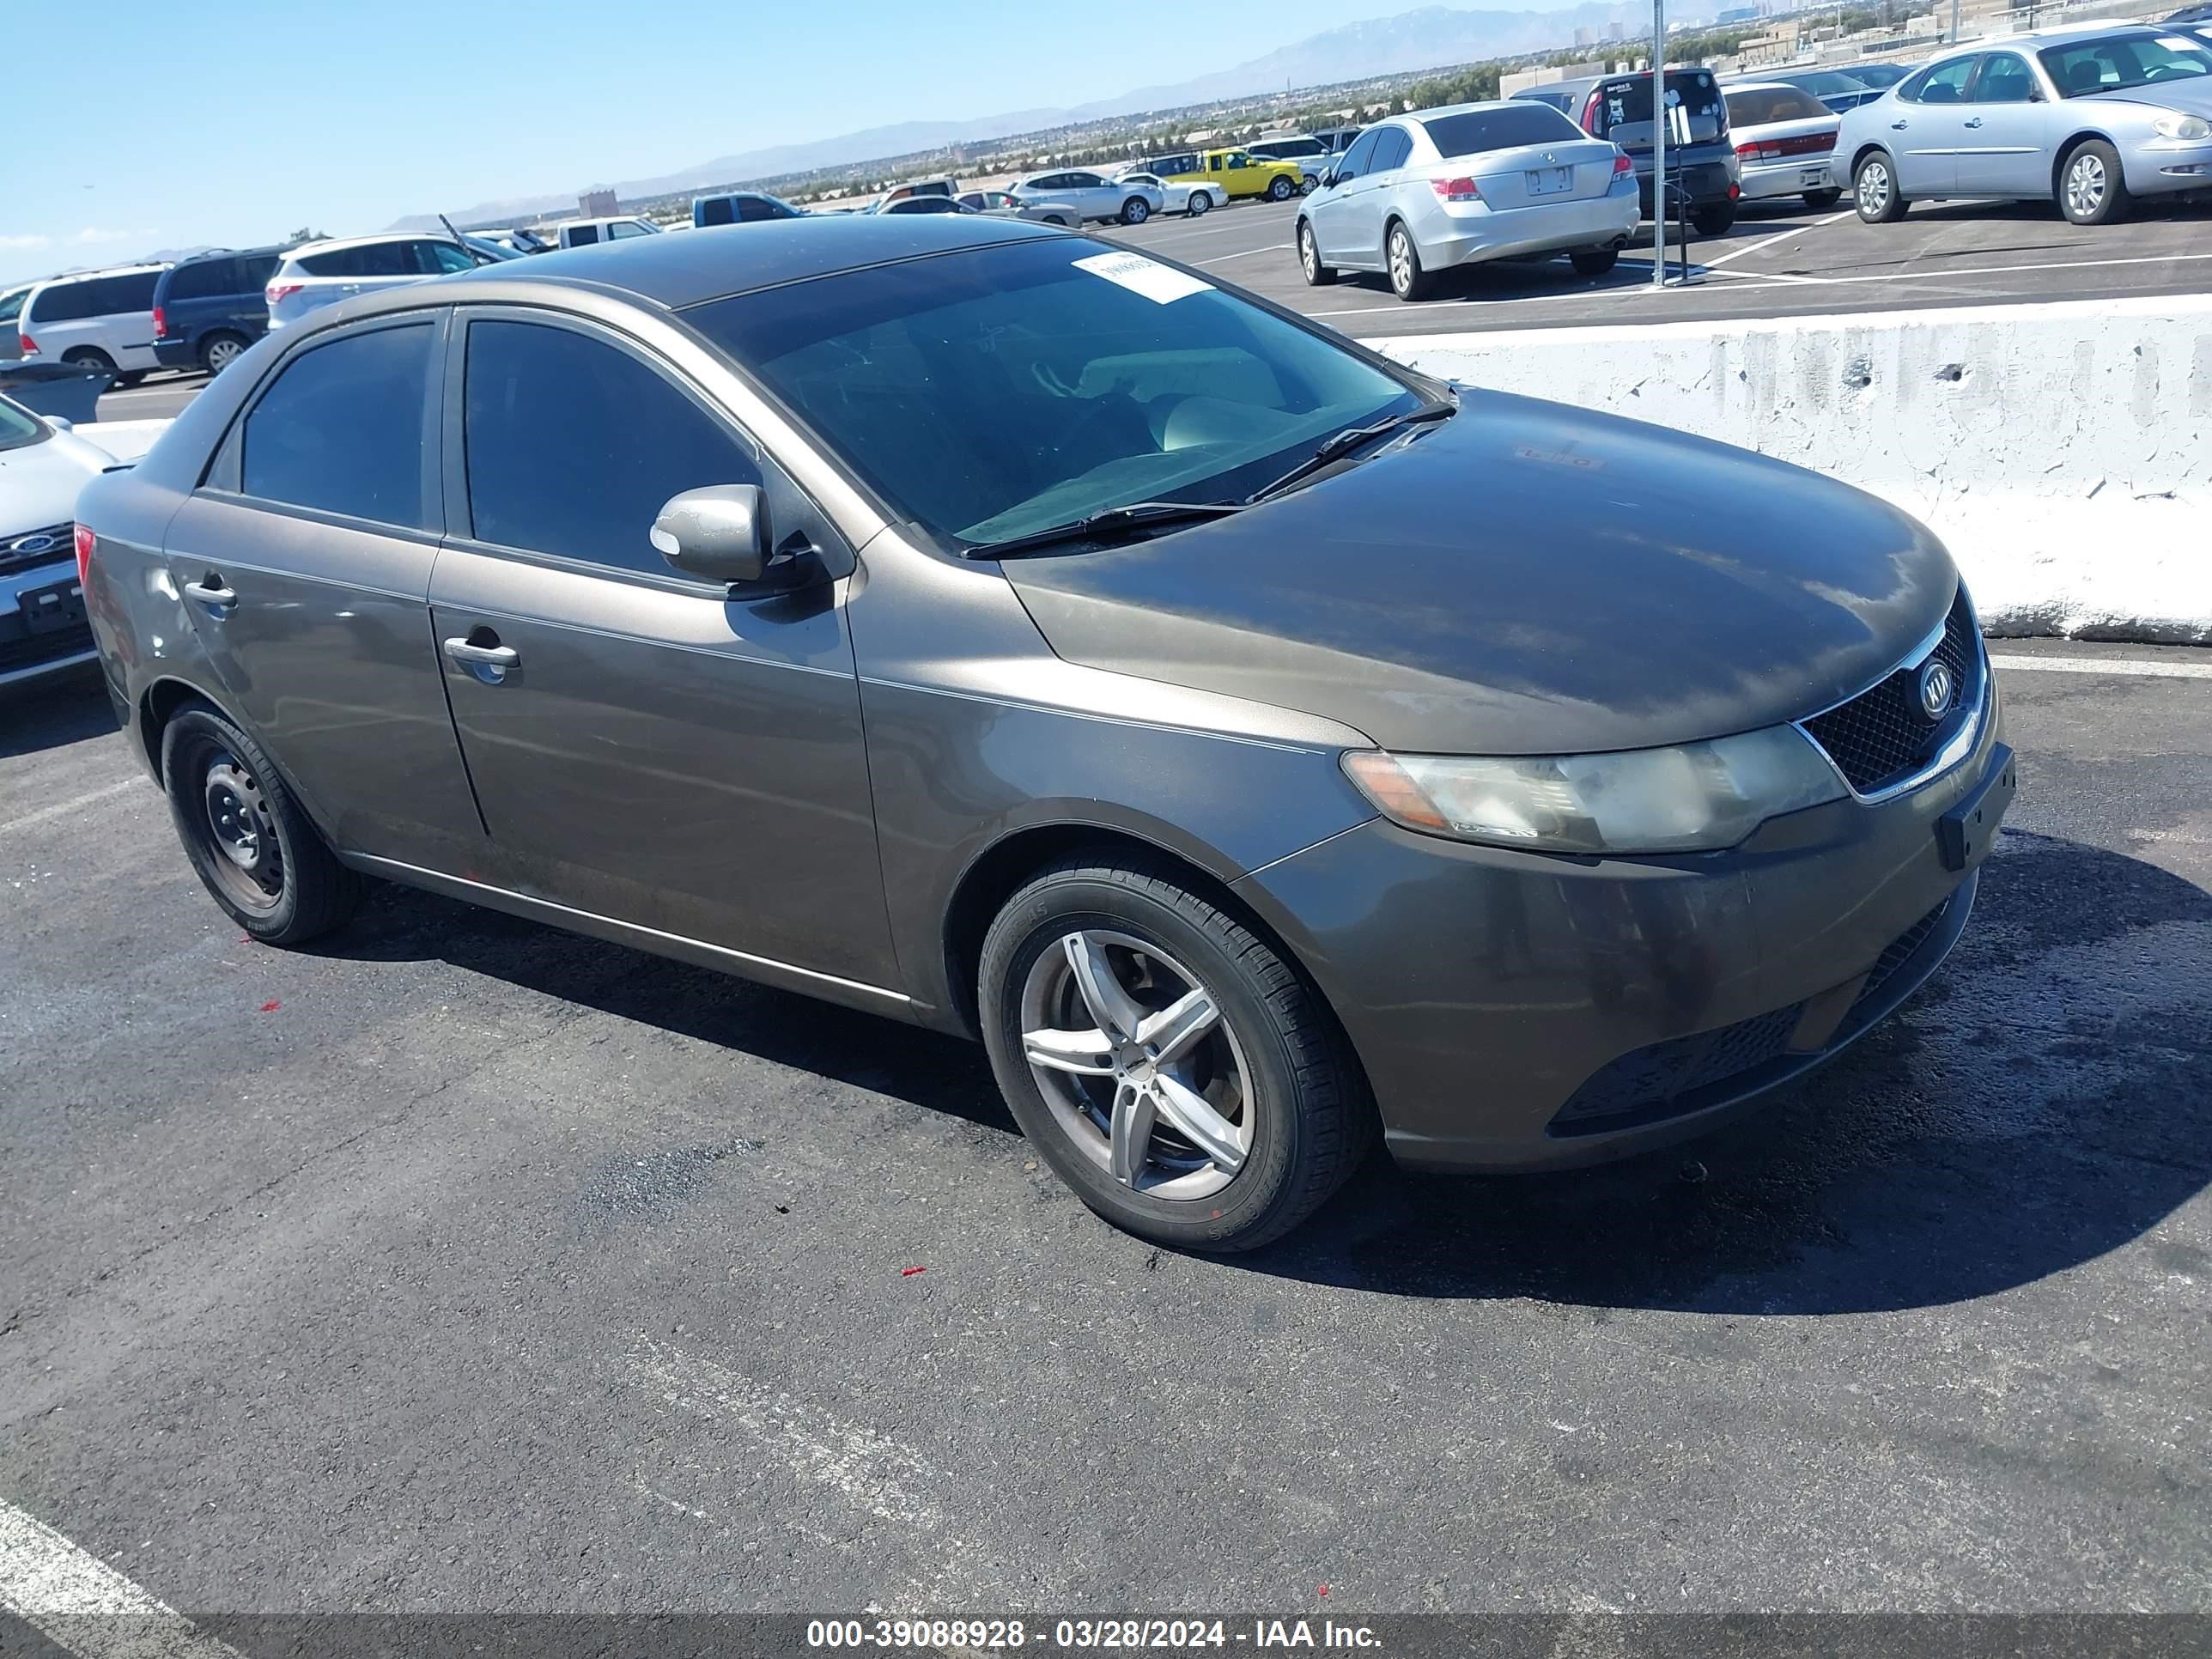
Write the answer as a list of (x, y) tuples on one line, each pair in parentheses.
[(1976, 122), (1899, 126), (210, 591)]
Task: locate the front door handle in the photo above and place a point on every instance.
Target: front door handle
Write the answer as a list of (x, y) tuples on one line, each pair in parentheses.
[(483, 656), (1899, 126), (1976, 122), (210, 591)]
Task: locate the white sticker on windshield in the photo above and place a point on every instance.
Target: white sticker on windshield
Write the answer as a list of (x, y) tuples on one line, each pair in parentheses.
[(2177, 43), (1157, 282)]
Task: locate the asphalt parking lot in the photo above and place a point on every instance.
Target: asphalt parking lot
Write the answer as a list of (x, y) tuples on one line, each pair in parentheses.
[(459, 1265), (1777, 261)]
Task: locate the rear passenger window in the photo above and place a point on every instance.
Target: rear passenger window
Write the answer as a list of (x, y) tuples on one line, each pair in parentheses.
[(574, 446), (341, 429), (446, 258), (583, 235)]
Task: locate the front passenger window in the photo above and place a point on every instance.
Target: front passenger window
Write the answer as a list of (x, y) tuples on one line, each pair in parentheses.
[(572, 446)]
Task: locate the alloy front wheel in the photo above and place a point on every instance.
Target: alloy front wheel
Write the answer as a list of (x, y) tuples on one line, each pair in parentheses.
[(2092, 191), (1131, 1054)]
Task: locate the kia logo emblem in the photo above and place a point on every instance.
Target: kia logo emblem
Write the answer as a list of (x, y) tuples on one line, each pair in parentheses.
[(1936, 685)]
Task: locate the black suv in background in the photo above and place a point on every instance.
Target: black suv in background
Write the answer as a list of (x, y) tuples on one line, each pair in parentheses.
[(1619, 107), (210, 307)]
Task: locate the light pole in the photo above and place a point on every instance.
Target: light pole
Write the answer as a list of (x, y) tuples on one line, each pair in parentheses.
[(1659, 143)]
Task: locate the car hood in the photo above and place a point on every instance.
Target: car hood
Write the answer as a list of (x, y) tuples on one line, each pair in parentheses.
[(1524, 578), (39, 482), (2191, 97)]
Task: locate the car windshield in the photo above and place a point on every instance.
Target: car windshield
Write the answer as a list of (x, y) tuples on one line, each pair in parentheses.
[(1001, 390), (2115, 63), (1473, 131), (18, 426)]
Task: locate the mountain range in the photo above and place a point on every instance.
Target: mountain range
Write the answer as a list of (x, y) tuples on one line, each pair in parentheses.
[(1431, 37)]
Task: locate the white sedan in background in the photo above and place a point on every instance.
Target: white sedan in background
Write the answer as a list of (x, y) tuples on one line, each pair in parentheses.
[(1783, 137), (1090, 195), (45, 463), (1190, 199)]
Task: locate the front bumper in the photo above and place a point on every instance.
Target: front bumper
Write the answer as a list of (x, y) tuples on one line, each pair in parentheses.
[(1518, 1012), (1462, 237), (42, 631), (2166, 164)]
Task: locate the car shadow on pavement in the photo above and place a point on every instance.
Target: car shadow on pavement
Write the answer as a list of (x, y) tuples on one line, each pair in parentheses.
[(52, 714), (924, 1068), (2042, 1101)]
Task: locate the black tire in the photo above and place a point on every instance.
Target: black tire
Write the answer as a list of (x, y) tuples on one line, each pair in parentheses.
[(1714, 219), (1401, 262), (1593, 261), (220, 350), (2093, 189), (1135, 210), (307, 891), (1054, 219), (1198, 203), (89, 357), (1822, 200), (1317, 274), (1280, 189), (1874, 191), (1310, 1121)]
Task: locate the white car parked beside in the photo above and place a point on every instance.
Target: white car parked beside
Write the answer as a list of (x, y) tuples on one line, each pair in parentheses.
[(588, 232), (1783, 137), (1091, 194), (1186, 197), (44, 464), (100, 318), (318, 274)]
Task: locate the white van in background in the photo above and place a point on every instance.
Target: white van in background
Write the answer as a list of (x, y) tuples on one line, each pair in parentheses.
[(585, 233), (100, 319)]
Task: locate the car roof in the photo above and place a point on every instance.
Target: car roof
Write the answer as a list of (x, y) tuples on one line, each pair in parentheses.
[(233, 253), (105, 270), (1452, 109), (327, 245), (725, 260)]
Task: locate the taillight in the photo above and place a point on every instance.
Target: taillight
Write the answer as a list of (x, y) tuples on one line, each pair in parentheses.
[(161, 322), (27, 345), (1621, 164), (277, 291), (1455, 189), (1590, 112), (1735, 190), (1747, 152), (84, 556)]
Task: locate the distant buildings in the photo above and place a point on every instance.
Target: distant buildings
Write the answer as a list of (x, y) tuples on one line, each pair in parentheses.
[(597, 203)]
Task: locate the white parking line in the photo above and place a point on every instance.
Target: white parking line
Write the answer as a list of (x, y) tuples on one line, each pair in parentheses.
[(1765, 241), (1968, 270), (62, 809), (1225, 259), (2134, 666), (85, 1606)]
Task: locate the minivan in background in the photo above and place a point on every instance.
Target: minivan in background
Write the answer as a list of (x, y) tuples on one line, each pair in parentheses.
[(739, 207), (11, 308), (208, 309), (318, 274), (94, 318), (1700, 155)]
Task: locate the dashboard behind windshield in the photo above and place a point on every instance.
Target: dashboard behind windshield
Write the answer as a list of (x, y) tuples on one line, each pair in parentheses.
[(1003, 390)]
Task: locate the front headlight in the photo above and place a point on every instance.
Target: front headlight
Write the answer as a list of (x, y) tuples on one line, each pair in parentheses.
[(1697, 798), (2193, 129)]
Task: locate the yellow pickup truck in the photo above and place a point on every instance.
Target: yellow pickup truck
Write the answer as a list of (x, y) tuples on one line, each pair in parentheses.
[(1236, 173)]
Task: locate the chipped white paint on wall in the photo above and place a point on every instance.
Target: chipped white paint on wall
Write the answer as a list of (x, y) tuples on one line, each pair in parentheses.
[(2059, 450)]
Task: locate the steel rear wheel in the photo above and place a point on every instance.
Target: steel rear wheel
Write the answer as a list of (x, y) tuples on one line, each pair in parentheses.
[(253, 849), (1172, 1066)]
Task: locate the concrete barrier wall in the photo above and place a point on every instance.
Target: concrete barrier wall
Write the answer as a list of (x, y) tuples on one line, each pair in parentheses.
[(2062, 451)]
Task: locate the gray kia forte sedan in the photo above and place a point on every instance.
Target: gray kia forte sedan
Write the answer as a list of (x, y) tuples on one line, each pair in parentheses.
[(1254, 743)]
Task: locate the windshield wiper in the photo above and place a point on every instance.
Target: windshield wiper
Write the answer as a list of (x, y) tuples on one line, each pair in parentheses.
[(1112, 523), (1343, 443)]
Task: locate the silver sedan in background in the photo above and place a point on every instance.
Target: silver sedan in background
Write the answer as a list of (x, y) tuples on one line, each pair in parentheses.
[(1783, 137), (1091, 194), (2091, 119), (1419, 193)]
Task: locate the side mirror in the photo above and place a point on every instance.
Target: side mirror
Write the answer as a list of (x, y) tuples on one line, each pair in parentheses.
[(61, 423), (718, 534), (1329, 179)]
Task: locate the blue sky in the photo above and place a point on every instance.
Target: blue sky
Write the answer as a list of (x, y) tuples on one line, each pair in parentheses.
[(236, 121)]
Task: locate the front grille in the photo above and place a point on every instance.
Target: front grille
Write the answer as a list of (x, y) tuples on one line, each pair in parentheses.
[(28, 651), (1881, 735), (1667, 1078), (24, 550), (1901, 951)]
